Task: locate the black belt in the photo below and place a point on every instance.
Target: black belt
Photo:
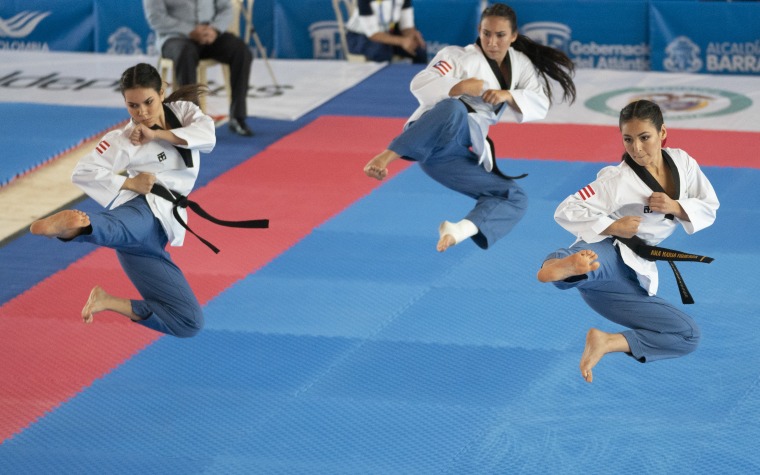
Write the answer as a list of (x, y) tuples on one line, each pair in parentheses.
[(654, 253), (181, 201), (495, 168)]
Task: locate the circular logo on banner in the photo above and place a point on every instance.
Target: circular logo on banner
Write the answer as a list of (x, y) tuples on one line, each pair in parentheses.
[(548, 33), (682, 56), (677, 103)]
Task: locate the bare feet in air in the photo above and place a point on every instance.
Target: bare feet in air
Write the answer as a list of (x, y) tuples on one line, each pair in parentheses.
[(95, 304), (598, 344), (378, 166), (64, 224), (592, 353), (101, 300), (582, 262), (446, 239), (450, 234)]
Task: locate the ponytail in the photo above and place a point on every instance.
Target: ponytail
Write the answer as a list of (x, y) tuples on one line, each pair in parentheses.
[(190, 92), (549, 62)]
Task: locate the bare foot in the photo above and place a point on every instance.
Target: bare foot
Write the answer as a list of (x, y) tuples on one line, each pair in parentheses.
[(100, 300), (95, 304), (450, 234), (598, 344), (445, 242), (378, 166), (446, 237), (64, 224), (592, 353), (582, 262)]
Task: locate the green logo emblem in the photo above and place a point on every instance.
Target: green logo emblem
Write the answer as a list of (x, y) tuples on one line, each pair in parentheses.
[(677, 103)]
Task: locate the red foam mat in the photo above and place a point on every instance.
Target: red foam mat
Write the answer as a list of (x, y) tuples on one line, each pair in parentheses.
[(597, 143), (49, 355), (307, 177)]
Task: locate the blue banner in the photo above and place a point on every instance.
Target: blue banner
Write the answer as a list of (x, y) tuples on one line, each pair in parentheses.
[(121, 28), (305, 29), (263, 23), (447, 22), (602, 34), (661, 35), (711, 37), (42, 25)]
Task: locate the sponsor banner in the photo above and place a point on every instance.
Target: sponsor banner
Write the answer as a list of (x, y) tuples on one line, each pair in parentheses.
[(42, 25), (660, 35), (104, 26), (293, 88), (594, 34), (711, 37), (689, 101)]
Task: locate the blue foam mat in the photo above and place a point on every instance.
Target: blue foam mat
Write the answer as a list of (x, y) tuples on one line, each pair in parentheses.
[(50, 256), (48, 131), (362, 350), (230, 151)]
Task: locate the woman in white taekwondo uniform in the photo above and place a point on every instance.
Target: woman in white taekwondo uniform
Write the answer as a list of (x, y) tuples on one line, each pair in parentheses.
[(461, 93), (160, 146), (618, 219)]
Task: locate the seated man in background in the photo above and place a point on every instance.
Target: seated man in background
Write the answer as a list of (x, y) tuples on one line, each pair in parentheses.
[(190, 30), (381, 29)]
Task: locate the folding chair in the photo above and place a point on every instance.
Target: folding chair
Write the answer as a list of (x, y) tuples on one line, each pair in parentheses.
[(250, 31), (349, 6), (165, 64)]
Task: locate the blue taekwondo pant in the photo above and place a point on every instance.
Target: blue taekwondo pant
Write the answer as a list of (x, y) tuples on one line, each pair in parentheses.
[(440, 142), (169, 304), (658, 329)]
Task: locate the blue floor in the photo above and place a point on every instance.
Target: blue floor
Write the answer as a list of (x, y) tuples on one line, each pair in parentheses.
[(362, 350), (35, 133)]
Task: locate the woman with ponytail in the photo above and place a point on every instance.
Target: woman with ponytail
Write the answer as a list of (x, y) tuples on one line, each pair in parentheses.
[(161, 145), (462, 92)]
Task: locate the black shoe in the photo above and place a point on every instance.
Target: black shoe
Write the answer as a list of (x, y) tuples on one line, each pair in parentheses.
[(240, 128)]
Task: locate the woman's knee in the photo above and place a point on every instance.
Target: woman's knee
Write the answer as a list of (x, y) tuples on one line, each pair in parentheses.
[(193, 322), (691, 338), (192, 327), (187, 332), (182, 320), (512, 197), (454, 109), (519, 198)]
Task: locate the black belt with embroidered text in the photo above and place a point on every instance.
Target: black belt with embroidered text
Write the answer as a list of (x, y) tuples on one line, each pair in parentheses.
[(654, 253)]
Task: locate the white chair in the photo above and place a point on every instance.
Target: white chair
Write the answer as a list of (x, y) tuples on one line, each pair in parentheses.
[(165, 65), (349, 6)]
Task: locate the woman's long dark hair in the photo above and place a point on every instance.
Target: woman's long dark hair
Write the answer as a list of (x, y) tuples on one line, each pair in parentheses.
[(549, 61), (145, 75)]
